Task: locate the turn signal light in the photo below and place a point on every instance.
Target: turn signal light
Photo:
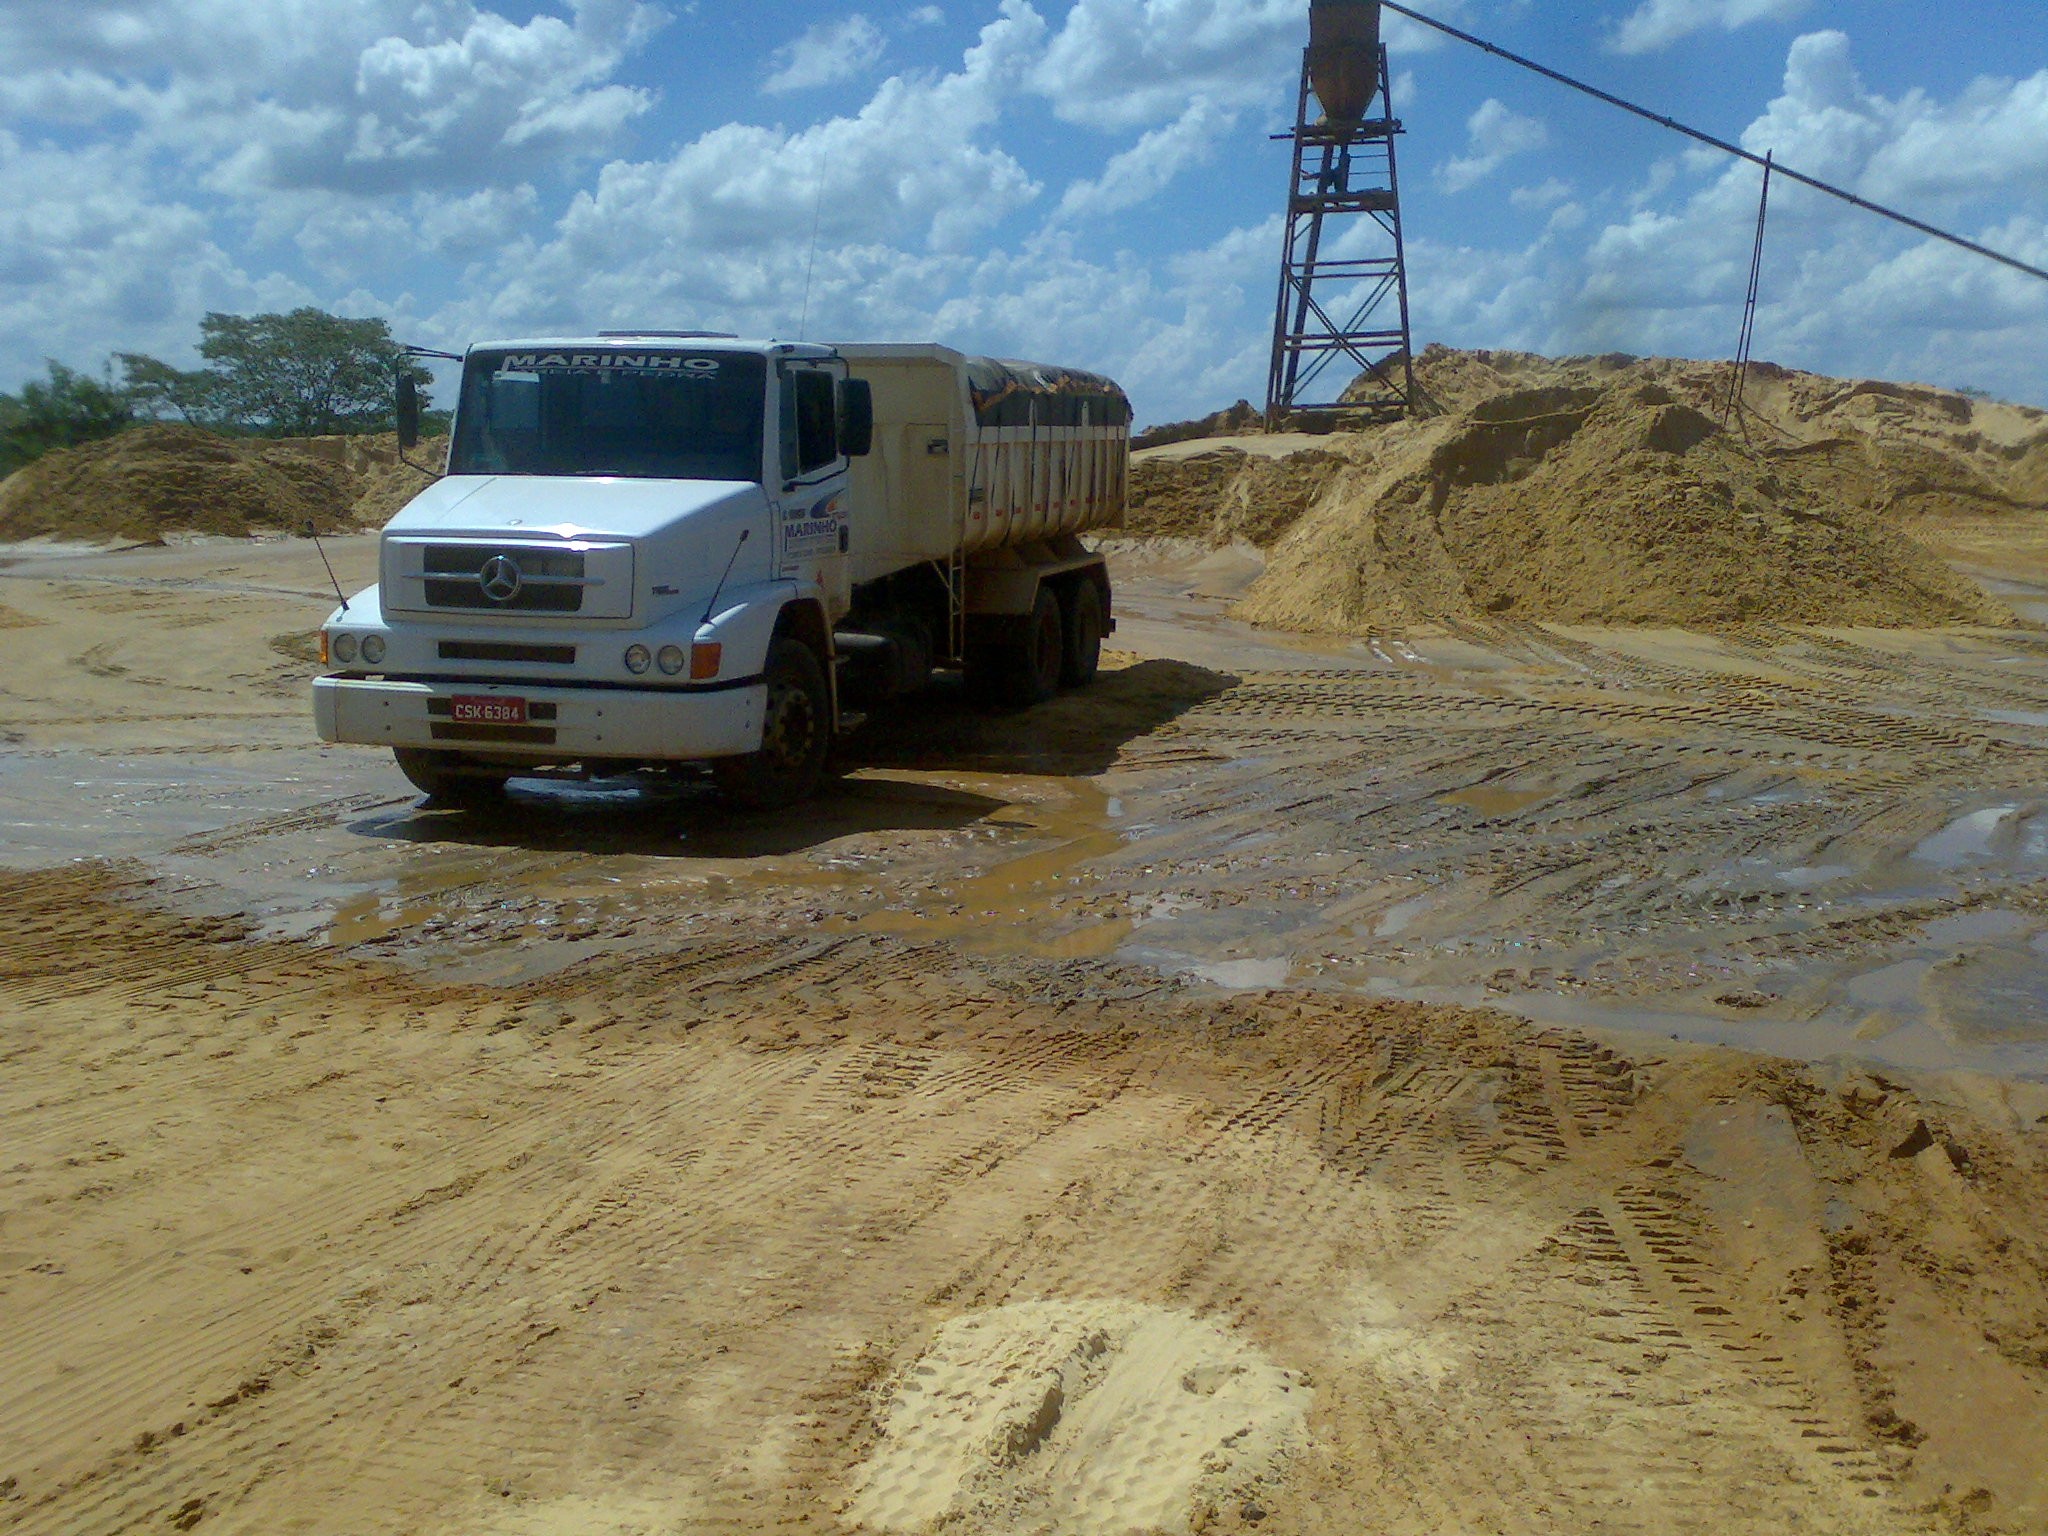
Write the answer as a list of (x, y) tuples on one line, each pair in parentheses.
[(705, 660)]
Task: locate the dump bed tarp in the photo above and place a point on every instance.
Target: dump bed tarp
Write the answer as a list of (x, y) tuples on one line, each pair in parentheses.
[(1009, 393)]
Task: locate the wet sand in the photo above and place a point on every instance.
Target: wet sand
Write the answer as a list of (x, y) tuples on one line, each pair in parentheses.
[(1498, 1078)]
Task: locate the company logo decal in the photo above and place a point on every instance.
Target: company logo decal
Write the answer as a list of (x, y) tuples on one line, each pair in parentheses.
[(500, 578), (808, 532), (590, 362)]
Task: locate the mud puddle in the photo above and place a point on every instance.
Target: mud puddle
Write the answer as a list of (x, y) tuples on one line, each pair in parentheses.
[(64, 805)]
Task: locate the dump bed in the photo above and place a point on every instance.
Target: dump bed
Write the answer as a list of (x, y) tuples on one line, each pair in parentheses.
[(973, 454)]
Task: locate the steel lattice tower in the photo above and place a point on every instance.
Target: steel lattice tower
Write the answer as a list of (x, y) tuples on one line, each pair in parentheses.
[(1345, 197)]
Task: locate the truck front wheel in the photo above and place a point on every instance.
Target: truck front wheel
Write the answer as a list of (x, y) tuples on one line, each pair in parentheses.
[(433, 775), (796, 735)]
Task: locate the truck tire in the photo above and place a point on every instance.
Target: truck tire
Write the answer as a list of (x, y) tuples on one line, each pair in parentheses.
[(1027, 671), (1083, 635), (433, 775), (796, 735)]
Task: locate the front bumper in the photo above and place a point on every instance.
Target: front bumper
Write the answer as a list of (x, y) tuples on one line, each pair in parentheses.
[(563, 724)]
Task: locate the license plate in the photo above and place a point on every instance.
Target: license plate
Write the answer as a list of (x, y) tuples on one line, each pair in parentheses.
[(475, 709)]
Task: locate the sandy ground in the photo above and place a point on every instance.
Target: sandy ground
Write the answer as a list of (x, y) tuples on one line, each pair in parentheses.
[(1501, 1080)]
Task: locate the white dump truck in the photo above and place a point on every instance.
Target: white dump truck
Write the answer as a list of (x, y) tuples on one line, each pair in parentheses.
[(661, 548)]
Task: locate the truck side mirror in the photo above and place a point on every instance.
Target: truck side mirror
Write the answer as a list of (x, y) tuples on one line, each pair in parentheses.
[(408, 411), (856, 418)]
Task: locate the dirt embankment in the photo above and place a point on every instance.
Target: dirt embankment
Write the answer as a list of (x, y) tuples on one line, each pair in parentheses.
[(1606, 491), (161, 480)]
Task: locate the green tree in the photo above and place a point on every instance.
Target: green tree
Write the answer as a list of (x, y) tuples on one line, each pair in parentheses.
[(159, 391), (65, 409), (305, 374), (302, 374)]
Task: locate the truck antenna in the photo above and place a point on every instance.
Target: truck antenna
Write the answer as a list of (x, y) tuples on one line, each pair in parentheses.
[(314, 534), (803, 325), (712, 602)]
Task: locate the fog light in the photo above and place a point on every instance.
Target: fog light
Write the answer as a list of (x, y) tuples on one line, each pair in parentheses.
[(344, 649), (373, 649), (705, 660), (637, 659), (671, 659)]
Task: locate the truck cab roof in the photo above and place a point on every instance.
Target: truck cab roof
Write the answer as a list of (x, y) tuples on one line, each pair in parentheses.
[(658, 341)]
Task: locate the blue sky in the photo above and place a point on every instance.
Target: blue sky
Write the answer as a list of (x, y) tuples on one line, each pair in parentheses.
[(1079, 181)]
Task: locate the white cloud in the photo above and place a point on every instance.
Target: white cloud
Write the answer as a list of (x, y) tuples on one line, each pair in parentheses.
[(830, 51), (1130, 63), (1548, 195), (714, 233), (1843, 290), (1124, 63), (92, 260), (1149, 166), (1496, 135), (1658, 24), (1993, 139), (926, 16), (369, 98)]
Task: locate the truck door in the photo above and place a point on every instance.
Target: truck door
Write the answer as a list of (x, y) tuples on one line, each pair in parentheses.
[(812, 527)]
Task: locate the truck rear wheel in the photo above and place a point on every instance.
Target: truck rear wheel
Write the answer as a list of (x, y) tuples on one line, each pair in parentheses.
[(1027, 671), (435, 775), (796, 735), (1083, 634)]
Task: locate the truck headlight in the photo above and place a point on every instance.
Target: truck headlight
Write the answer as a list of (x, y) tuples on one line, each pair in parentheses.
[(637, 659), (373, 649), (344, 649), (672, 660)]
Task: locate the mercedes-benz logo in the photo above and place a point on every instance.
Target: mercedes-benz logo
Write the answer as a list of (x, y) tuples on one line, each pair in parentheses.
[(500, 578)]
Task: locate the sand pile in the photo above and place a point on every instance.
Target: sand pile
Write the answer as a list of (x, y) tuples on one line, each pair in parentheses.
[(158, 480), (1605, 491), (1098, 1418), (1226, 494), (1231, 421), (1587, 505), (384, 484), (1901, 448)]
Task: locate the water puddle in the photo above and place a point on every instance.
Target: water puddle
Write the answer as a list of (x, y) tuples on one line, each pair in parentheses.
[(1246, 975), (1395, 921), (1816, 874), (1967, 837), (1978, 927), (1253, 974), (2033, 717), (1498, 800), (1034, 904), (504, 902)]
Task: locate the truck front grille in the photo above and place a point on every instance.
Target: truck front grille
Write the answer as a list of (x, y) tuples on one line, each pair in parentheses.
[(491, 650), (525, 579), (505, 580)]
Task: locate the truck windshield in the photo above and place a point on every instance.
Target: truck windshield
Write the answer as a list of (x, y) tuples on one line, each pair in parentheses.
[(646, 415)]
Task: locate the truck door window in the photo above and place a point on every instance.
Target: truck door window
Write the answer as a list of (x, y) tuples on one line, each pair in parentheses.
[(810, 421)]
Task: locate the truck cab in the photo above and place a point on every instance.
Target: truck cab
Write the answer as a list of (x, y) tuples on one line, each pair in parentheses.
[(646, 551)]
